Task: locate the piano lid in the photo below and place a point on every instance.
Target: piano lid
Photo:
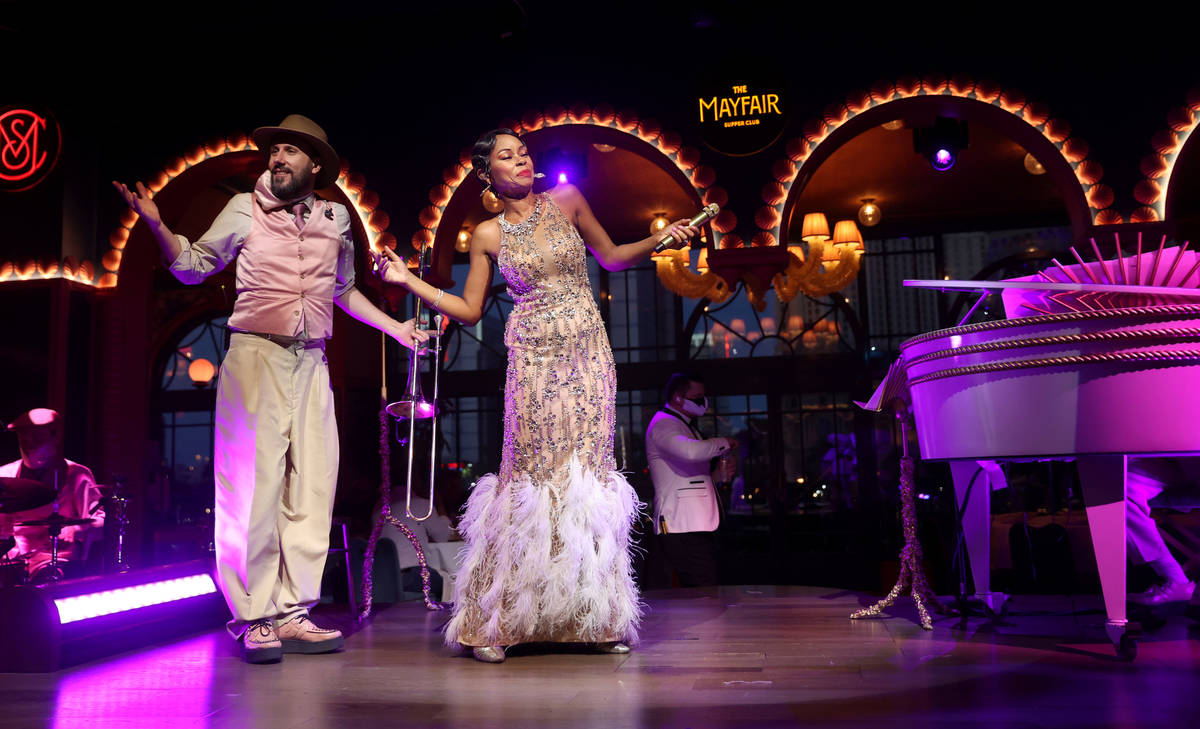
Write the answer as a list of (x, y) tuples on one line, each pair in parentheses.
[(1155, 278)]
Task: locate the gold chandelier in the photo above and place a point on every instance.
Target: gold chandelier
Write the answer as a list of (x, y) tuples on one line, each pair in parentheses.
[(829, 264)]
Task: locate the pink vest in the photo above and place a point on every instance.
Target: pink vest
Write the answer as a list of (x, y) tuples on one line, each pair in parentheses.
[(286, 277)]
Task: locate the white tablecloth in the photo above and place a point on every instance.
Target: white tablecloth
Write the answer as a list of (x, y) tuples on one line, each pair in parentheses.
[(444, 557)]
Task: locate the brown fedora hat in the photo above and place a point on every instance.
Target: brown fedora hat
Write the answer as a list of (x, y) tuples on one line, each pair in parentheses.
[(308, 130)]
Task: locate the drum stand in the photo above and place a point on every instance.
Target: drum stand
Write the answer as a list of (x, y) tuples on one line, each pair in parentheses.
[(120, 507)]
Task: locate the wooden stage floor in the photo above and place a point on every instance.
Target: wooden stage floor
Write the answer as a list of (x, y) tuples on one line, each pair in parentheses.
[(725, 657)]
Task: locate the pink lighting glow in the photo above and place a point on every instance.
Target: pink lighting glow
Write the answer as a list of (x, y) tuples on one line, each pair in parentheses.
[(82, 607), (132, 688)]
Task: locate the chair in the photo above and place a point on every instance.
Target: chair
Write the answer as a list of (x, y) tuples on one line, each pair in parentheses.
[(344, 550), (385, 574)]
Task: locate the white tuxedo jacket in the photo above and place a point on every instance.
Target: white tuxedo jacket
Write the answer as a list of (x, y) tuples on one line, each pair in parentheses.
[(684, 498)]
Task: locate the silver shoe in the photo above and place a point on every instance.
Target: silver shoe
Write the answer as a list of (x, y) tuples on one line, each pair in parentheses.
[(616, 647), (488, 653)]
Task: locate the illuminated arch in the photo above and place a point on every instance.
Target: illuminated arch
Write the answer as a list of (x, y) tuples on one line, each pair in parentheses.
[(1154, 190), (1078, 175), (625, 127)]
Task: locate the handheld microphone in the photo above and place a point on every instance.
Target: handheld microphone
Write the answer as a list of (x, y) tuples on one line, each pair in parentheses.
[(707, 213)]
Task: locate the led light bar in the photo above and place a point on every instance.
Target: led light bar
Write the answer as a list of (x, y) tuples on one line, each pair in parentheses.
[(92, 605)]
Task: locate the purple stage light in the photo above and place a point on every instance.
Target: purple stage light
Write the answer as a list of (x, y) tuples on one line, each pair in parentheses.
[(82, 607), (943, 159), (562, 178), (74, 621)]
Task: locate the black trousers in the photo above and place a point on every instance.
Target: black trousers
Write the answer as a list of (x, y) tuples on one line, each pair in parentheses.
[(693, 555)]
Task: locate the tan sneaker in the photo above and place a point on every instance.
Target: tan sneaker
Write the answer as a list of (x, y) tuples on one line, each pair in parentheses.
[(300, 635), (260, 643)]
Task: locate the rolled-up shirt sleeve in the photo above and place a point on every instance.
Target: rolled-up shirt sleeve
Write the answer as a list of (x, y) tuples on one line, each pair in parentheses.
[(218, 246), (345, 262)]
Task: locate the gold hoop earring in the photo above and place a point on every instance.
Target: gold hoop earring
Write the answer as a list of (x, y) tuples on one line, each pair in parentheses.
[(491, 201)]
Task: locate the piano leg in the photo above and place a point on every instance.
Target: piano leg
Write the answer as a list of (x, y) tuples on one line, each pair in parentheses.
[(1102, 479), (976, 522)]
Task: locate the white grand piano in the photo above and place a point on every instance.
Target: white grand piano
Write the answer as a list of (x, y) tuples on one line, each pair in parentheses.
[(1095, 362)]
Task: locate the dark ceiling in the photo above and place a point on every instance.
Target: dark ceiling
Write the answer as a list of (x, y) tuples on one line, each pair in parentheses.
[(403, 87), (988, 183)]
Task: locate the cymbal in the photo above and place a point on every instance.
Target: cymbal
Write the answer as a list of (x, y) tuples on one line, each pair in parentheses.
[(55, 520), (22, 494)]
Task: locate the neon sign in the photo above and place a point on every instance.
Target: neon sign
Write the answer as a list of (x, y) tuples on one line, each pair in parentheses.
[(29, 147), (743, 105), (740, 119)]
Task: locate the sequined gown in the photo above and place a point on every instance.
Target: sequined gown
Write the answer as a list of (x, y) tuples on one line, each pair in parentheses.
[(547, 556)]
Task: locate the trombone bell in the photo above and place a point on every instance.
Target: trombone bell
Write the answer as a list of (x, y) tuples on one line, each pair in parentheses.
[(408, 409)]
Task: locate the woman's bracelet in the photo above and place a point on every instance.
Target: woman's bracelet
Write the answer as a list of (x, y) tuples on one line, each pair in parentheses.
[(438, 300)]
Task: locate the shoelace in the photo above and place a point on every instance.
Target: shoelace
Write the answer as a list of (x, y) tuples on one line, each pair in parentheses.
[(263, 627)]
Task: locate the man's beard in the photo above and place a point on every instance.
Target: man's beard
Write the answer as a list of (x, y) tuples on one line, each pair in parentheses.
[(297, 183)]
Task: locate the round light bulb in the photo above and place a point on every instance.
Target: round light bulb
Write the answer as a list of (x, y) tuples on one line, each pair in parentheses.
[(1032, 166), (659, 223), (869, 213), (462, 244), (201, 372)]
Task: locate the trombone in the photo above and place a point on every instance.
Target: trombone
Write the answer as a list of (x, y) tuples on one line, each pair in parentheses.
[(414, 406)]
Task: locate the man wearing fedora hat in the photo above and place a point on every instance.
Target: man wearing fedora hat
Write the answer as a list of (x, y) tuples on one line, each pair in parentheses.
[(276, 444)]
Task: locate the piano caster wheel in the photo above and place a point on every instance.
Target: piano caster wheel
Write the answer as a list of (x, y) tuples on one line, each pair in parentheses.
[(1127, 648)]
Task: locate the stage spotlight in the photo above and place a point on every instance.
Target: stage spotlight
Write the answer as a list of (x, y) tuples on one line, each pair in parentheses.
[(942, 143), (69, 622), (562, 166)]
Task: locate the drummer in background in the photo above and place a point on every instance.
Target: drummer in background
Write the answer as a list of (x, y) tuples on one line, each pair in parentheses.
[(39, 436)]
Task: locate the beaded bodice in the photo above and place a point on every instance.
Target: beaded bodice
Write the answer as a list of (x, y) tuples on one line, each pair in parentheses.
[(543, 255), (561, 381)]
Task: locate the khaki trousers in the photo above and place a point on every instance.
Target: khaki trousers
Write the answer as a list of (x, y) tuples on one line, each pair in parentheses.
[(276, 453)]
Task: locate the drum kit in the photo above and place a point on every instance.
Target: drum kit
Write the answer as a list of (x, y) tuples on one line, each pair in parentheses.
[(23, 494)]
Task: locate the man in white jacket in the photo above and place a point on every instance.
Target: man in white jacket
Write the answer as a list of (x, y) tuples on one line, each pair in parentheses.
[(685, 505)]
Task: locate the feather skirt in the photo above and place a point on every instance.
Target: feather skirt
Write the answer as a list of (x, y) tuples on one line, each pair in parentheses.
[(547, 562)]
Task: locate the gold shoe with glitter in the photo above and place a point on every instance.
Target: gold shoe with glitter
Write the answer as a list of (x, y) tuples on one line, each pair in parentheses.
[(615, 646), (488, 653)]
